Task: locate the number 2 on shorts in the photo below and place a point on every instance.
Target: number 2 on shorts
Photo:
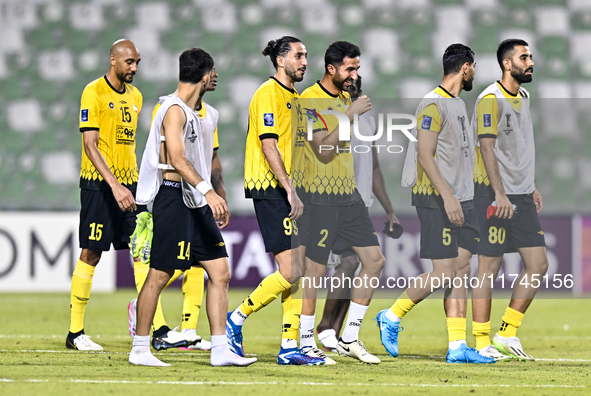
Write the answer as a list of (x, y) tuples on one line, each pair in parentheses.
[(325, 233)]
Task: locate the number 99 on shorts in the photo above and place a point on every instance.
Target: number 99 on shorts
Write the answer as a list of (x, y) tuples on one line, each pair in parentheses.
[(290, 227)]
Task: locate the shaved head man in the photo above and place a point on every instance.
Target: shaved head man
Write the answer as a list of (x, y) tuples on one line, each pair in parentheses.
[(125, 58), (109, 110)]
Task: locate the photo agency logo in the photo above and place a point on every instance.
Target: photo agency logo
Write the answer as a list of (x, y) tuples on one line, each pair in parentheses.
[(363, 143)]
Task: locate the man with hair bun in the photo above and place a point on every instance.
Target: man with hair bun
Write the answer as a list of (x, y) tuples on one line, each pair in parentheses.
[(268, 182)]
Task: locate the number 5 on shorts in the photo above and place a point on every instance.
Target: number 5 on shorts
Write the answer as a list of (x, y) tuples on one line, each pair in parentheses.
[(446, 236)]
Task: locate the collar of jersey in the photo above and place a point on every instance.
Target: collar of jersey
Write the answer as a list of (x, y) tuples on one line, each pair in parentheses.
[(506, 91), (283, 86), (113, 88), (325, 90), (202, 111), (446, 93)]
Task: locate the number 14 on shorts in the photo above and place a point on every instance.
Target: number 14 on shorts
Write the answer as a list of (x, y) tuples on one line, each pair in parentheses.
[(184, 254)]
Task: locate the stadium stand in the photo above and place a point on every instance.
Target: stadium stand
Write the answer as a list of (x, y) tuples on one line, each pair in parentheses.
[(51, 49)]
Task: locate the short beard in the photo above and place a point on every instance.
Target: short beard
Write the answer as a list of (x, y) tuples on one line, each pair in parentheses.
[(293, 73), (123, 77), (468, 85), (340, 84), (520, 76)]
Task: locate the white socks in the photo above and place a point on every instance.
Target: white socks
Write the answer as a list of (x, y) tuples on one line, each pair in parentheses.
[(392, 316), (238, 317), (328, 338), (221, 355), (307, 331), (353, 322), (287, 343), (141, 354), (453, 345)]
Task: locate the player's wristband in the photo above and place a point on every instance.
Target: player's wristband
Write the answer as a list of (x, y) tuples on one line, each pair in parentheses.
[(203, 187)]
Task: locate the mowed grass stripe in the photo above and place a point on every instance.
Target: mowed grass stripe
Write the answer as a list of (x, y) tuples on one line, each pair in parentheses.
[(305, 383)]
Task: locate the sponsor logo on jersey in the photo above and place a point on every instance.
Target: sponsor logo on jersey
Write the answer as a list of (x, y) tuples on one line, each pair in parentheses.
[(125, 135), (426, 123), (487, 118), (122, 102), (84, 115), (269, 119), (221, 244)]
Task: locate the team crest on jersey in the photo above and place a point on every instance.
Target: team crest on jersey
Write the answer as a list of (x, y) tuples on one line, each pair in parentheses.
[(111, 105), (193, 136), (487, 120), (289, 105), (462, 121), (269, 119), (135, 108), (508, 128), (465, 145), (426, 124), (84, 115)]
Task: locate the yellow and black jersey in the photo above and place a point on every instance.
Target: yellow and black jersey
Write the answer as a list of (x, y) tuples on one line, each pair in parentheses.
[(269, 116), (329, 182), (203, 117), (114, 114)]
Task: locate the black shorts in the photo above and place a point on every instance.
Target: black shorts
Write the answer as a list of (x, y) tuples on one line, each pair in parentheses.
[(440, 239), (103, 223), (338, 228), (500, 236), (183, 237), (279, 232)]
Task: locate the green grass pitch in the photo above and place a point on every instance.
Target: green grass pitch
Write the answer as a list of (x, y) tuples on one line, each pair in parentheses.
[(34, 360)]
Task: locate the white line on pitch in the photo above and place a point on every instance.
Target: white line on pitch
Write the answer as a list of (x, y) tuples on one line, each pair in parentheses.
[(294, 383), (203, 353)]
